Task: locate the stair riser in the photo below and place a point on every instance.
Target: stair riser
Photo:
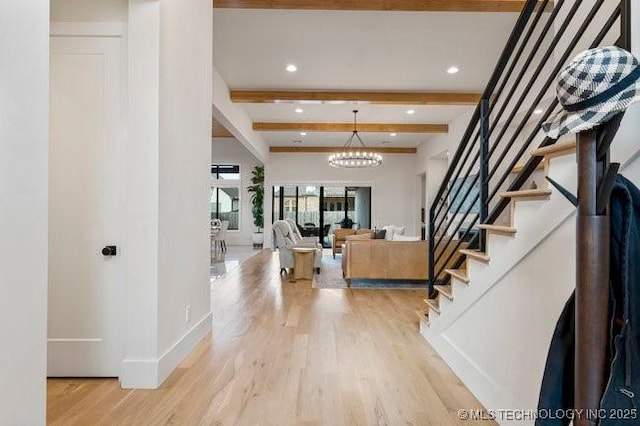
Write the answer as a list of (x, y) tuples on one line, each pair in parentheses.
[(564, 171), (445, 292), (529, 208), (444, 304)]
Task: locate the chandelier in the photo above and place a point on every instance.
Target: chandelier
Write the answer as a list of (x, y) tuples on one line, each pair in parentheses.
[(350, 158)]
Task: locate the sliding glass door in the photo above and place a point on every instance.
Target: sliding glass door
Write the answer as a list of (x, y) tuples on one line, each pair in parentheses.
[(290, 203), (317, 210), (309, 210), (333, 212), (359, 205)]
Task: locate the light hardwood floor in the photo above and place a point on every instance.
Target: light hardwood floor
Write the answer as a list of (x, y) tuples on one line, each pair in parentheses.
[(284, 353)]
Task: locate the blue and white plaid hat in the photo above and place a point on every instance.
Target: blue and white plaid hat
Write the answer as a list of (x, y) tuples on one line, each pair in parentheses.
[(596, 85)]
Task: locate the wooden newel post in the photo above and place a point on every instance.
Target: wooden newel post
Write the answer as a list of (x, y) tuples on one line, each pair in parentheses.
[(592, 284)]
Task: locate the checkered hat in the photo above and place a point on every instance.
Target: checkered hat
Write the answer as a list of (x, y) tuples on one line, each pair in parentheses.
[(596, 85)]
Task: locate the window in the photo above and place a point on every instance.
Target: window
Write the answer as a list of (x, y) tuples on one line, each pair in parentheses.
[(225, 171), (224, 205), (225, 194), (290, 202)]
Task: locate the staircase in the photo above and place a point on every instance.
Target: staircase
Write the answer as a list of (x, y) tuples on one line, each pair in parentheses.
[(506, 235), (509, 242)]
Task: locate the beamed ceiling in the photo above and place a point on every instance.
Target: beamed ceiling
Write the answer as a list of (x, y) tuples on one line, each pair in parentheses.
[(381, 57)]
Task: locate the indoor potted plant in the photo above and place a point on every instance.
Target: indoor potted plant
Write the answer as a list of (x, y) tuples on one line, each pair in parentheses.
[(257, 204)]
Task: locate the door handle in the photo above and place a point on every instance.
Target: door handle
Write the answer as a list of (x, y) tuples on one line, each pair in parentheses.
[(109, 251)]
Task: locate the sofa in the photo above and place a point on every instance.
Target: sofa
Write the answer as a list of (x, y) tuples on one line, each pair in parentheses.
[(340, 235), (389, 260)]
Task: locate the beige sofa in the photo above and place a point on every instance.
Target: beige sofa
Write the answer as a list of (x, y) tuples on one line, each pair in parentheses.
[(390, 260), (382, 259)]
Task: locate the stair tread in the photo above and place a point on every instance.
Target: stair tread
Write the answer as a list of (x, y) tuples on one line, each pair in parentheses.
[(519, 167), (527, 193), (476, 254), (556, 150), (498, 228), (460, 274), (433, 304), (445, 290)]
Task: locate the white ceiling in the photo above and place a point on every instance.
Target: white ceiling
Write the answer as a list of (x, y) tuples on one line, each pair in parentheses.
[(346, 50)]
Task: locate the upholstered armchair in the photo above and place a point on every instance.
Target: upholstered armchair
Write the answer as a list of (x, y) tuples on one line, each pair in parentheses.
[(286, 242), (298, 238)]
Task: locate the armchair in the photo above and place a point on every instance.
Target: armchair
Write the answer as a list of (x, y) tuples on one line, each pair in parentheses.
[(340, 236), (298, 238), (286, 242)]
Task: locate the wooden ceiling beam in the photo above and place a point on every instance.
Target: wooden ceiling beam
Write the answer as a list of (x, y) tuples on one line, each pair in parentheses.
[(378, 5), (347, 127), (324, 96), (329, 149)]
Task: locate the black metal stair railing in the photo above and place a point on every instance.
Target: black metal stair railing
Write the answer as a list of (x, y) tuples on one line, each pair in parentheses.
[(507, 121)]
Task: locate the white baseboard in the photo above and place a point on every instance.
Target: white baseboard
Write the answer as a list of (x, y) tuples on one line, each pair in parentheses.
[(170, 360), (139, 374), (490, 395), (151, 373)]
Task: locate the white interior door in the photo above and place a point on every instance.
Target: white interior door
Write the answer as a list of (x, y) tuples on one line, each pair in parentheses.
[(85, 287)]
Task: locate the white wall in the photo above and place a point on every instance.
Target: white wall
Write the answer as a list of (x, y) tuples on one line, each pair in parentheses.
[(24, 112), (89, 11), (168, 167), (436, 170), (393, 185), (431, 158), (235, 119), (141, 199), (231, 151), (506, 335), (444, 141), (184, 184)]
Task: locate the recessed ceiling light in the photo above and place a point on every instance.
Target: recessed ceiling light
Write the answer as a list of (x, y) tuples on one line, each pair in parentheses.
[(392, 134), (292, 68), (452, 70), (299, 110), (538, 111), (303, 133), (411, 111)]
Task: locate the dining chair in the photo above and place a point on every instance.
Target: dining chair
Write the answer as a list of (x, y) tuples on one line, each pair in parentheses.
[(221, 236)]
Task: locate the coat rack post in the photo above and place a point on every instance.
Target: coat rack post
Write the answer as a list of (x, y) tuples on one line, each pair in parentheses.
[(592, 284)]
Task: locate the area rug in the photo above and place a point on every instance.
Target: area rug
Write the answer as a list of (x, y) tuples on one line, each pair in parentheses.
[(331, 277)]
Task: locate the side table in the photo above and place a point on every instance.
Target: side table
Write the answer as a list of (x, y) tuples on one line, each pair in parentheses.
[(303, 263)]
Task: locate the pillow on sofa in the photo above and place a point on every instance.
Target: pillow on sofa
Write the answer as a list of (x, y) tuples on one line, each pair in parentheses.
[(380, 234), (405, 238), (388, 232), (366, 236), (398, 230)]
